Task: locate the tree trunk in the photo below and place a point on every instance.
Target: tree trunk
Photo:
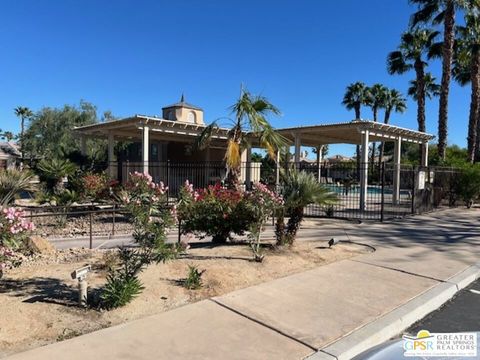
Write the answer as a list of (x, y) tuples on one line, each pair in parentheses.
[(420, 74), (21, 137), (233, 176), (473, 123), (449, 34), (296, 217)]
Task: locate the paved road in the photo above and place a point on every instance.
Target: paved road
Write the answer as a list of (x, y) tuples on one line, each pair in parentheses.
[(309, 231), (461, 314)]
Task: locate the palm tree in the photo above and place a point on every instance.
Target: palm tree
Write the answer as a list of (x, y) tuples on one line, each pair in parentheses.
[(23, 113), (466, 69), (356, 95), (431, 88), (299, 190), (436, 12), (251, 113), (375, 100), (393, 101), (409, 56)]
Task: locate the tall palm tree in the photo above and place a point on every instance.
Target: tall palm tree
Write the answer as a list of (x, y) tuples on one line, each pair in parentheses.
[(393, 101), (23, 113), (431, 88), (437, 12), (466, 69), (414, 45), (250, 115), (356, 95), (375, 100)]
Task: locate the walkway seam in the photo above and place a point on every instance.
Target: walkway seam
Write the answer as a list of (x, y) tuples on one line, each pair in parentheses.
[(264, 324), (399, 270)]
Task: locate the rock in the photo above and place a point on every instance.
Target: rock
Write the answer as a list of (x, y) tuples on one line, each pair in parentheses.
[(40, 245)]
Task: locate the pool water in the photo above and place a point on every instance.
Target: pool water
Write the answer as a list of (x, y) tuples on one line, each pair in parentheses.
[(355, 189)]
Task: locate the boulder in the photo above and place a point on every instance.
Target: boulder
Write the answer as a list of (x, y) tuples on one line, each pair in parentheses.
[(40, 245)]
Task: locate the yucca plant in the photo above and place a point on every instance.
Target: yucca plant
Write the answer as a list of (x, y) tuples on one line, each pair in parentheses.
[(53, 171), (194, 278), (299, 190), (13, 182), (123, 284)]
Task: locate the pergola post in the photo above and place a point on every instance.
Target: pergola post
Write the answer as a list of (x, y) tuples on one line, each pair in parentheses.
[(397, 154), (83, 145), (319, 159), (298, 145), (364, 170), (424, 159), (248, 167), (112, 166), (145, 149)]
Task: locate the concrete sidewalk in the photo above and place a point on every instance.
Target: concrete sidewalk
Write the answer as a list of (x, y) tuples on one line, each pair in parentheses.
[(293, 317)]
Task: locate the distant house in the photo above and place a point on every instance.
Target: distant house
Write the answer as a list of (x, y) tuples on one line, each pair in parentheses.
[(9, 155), (339, 159)]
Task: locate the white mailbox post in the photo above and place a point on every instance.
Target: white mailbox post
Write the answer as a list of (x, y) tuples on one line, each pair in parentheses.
[(81, 275)]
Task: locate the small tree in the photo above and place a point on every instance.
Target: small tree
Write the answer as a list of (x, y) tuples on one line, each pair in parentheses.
[(148, 204), (262, 203), (300, 189)]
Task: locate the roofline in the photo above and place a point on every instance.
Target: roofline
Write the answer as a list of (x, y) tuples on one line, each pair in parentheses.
[(368, 124)]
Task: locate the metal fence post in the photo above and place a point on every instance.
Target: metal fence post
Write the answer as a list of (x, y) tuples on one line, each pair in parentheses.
[(113, 220), (414, 175), (91, 237), (382, 178)]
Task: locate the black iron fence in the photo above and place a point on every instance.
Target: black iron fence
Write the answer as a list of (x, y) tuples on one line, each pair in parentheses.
[(419, 189)]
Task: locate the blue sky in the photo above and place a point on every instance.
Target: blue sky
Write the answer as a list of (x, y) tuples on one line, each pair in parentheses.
[(137, 56)]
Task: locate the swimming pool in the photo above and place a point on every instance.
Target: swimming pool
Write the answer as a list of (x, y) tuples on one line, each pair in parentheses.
[(355, 189)]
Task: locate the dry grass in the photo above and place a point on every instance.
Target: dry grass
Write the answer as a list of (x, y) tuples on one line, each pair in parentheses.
[(38, 301)]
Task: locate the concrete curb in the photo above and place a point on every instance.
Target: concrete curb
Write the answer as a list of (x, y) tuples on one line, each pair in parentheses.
[(397, 320)]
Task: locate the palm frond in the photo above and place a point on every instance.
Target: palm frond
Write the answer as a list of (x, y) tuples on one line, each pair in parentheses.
[(424, 14), (232, 155), (203, 140), (396, 63), (301, 189)]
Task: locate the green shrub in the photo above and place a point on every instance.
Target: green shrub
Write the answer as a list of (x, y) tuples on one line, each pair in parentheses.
[(468, 185), (120, 290), (123, 284), (194, 278), (215, 211)]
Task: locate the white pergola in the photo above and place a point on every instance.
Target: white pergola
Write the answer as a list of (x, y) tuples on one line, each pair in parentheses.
[(358, 132)]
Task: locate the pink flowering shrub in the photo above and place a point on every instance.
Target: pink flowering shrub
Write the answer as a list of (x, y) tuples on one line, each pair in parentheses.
[(218, 212), (14, 229), (147, 202), (262, 203)]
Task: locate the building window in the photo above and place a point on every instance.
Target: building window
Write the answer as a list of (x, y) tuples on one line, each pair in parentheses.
[(171, 115), (191, 117)]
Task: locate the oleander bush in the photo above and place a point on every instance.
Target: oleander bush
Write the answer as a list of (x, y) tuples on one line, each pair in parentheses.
[(214, 211), (151, 216), (14, 231)]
